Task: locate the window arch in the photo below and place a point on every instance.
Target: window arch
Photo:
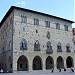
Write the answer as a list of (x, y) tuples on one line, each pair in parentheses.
[(23, 45), (49, 47), (36, 46), (68, 48), (59, 48)]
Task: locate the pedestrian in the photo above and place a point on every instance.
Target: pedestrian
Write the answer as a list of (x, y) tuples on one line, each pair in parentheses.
[(52, 70), (1, 70), (72, 69), (59, 69), (64, 69)]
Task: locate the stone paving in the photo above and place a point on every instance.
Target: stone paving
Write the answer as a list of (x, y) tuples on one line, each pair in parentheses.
[(40, 73)]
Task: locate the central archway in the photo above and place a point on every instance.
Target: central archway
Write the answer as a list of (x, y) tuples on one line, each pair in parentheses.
[(37, 63), (22, 63), (60, 62), (69, 62), (49, 62)]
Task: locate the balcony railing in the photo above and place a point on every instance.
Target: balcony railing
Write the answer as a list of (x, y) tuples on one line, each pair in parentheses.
[(21, 48), (59, 50), (49, 51), (68, 50), (36, 49)]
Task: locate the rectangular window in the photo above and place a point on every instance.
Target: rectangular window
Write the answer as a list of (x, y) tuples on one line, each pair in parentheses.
[(23, 19), (57, 26), (36, 21), (47, 23), (66, 27)]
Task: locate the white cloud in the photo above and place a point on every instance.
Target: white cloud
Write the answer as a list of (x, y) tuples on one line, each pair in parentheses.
[(21, 3)]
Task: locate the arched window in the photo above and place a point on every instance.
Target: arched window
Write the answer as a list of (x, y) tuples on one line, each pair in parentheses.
[(23, 45), (68, 48), (36, 46), (49, 47), (59, 48)]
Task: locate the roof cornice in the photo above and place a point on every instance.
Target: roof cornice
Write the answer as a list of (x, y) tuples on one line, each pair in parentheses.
[(14, 7)]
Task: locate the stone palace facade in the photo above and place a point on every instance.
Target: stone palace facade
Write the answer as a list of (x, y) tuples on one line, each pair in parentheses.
[(31, 40)]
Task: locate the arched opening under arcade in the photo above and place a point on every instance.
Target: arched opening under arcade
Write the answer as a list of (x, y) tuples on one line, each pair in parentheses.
[(69, 62), (60, 62), (22, 63), (49, 62), (37, 63)]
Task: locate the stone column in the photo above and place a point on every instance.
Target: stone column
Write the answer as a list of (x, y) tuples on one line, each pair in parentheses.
[(14, 64), (65, 66), (55, 64), (30, 65), (43, 65), (74, 61)]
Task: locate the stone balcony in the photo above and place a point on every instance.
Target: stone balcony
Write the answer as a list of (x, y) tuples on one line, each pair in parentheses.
[(59, 50), (68, 50), (49, 51)]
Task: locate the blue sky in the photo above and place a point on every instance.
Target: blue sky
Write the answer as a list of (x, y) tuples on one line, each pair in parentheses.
[(60, 8)]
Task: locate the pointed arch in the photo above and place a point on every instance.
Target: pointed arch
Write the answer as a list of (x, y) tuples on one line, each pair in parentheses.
[(37, 63), (69, 62), (49, 62), (60, 62), (22, 63)]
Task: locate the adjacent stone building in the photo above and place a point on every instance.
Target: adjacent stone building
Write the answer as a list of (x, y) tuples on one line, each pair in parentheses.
[(31, 40), (73, 31)]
